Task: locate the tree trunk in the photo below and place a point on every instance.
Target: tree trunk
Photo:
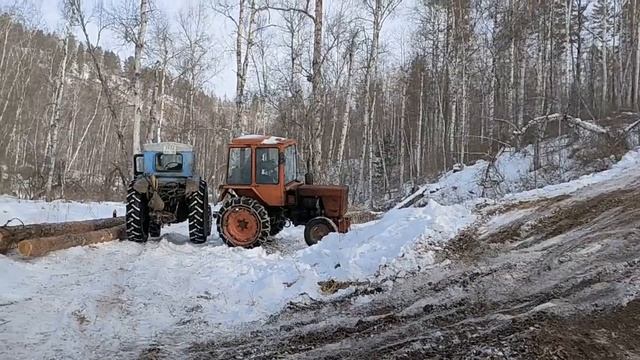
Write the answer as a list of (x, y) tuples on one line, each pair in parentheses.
[(240, 76), (521, 88), (54, 123), (316, 84), (347, 104), (605, 79), (463, 107), (137, 72), (419, 131), (636, 100), (162, 98), (403, 114), (569, 10), (42, 246), (11, 235)]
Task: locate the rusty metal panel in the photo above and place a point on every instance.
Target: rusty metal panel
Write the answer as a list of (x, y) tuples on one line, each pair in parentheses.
[(334, 197)]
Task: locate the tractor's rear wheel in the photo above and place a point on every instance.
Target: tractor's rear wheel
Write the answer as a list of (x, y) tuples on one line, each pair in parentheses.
[(199, 214), (317, 228), (137, 216), (278, 221), (244, 222)]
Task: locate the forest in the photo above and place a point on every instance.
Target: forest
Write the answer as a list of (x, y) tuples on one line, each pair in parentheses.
[(381, 112)]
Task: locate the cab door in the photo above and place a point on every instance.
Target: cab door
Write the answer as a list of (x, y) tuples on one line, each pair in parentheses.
[(268, 175)]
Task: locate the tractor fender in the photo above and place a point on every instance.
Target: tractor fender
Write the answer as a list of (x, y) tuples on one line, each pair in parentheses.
[(192, 185), (141, 185)]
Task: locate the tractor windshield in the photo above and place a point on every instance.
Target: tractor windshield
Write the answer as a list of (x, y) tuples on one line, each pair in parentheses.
[(239, 169), (290, 164), (169, 162), (267, 166)]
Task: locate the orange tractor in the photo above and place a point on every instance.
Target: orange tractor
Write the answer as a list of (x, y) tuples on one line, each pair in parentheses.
[(262, 193)]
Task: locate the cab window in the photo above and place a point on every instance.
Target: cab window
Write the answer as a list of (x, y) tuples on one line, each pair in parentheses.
[(267, 166), (239, 169), (169, 162), (290, 164)]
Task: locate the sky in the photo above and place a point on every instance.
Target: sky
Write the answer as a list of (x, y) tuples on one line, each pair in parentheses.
[(395, 32)]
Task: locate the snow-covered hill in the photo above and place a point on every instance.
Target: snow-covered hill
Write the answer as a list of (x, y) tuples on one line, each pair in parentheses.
[(119, 297)]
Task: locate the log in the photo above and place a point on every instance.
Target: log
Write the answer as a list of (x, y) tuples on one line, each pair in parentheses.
[(11, 235), (42, 246)]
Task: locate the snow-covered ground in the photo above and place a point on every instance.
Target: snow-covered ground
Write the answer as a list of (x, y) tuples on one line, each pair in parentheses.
[(107, 299), (110, 297)]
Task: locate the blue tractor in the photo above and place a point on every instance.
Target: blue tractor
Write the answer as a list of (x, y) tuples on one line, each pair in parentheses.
[(165, 191)]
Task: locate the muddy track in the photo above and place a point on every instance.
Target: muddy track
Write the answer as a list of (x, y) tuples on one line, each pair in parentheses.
[(555, 279)]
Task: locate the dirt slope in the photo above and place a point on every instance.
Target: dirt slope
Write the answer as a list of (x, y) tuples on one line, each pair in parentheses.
[(552, 279)]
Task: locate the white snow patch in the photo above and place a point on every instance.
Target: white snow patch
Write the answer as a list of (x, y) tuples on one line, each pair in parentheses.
[(272, 140), (250, 137)]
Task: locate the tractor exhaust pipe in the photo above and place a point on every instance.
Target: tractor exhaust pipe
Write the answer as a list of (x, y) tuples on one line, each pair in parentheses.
[(308, 177)]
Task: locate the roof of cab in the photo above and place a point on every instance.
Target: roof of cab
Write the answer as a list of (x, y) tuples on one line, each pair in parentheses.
[(261, 140), (164, 146)]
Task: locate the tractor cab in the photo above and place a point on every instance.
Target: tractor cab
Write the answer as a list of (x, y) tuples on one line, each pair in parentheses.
[(263, 167), (262, 192), (168, 159)]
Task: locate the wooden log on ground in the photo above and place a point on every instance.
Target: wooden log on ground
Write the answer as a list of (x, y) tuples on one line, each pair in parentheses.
[(42, 246), (11, 235)]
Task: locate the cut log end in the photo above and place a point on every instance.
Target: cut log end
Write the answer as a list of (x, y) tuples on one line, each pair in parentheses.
[(25, 248)]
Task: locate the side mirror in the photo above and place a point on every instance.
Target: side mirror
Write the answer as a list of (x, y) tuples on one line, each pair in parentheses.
[(138, 164)]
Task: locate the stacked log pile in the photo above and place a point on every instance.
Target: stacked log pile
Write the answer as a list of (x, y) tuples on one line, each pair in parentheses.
[(39, 239)]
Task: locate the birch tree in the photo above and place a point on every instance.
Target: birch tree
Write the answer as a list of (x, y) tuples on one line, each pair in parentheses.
[(55, 117)]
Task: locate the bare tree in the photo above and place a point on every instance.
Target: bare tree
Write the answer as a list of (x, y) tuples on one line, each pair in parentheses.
[(54, 122), (129, 19), (78, 13), (246, 28)]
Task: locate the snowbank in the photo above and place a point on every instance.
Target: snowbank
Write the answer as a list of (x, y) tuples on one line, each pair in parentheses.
[(513, 174)]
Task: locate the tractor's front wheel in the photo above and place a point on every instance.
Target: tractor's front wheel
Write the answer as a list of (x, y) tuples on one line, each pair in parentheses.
[(199, 214), (244, 222), (137, 216), (317, 228)]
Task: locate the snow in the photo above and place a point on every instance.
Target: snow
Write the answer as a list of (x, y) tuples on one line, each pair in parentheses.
[(99, 299), (456, 187), (271, 140), (251, 137), (266, 140), (628, 163)]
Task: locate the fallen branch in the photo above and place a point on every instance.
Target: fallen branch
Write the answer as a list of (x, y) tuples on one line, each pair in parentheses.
[(632, 126), (42, 246), (587, 125), (11, 235)]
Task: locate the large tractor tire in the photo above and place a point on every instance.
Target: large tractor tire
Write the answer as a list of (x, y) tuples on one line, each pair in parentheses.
[(243, 222), (137, 216), (199, 214), (317, 228), (278, 222)]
